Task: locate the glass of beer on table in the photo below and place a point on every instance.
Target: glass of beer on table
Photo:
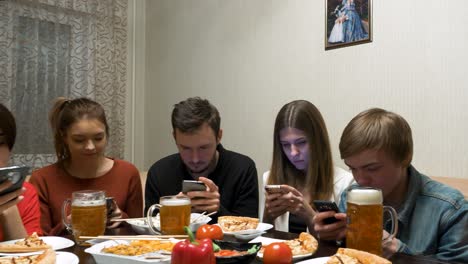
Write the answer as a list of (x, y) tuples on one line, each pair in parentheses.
[(174, 214), (88, 213), (365, 211)]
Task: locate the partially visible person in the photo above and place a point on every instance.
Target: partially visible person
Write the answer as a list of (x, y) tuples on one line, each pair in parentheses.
[(80, 136), (302, 164), (230, 177), (19, 210), (377, 146)]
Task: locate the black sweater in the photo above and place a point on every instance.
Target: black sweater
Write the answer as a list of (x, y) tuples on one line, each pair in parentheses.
[(235, 175)]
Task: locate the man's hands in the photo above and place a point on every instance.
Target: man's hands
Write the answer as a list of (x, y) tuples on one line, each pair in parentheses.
[(205, 200), (335, 231)]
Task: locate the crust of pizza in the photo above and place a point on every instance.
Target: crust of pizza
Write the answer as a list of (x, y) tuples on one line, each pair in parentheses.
[(303, 245), (352, 256), (48, 257), (29, 244), (237, 223)]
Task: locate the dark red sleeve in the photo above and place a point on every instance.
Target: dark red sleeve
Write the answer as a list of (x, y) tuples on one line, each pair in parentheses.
[(30, 211), (135, 196)]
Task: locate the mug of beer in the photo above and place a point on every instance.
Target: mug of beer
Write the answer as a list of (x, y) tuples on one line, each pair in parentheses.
[(364, 229), (174, 214), (88, 213)]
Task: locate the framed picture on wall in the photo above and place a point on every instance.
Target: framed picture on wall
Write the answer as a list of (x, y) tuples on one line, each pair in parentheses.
[(347, 22)]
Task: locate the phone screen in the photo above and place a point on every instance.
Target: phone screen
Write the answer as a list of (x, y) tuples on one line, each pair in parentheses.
[(191, 186), (16, 174)]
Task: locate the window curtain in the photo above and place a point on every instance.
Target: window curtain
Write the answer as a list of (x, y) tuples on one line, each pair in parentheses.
[(52, 48)]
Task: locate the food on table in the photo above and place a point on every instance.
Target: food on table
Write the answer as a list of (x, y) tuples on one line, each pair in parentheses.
[(29, 244), (210, 231), (237, 223), (304, 244), (354, 256), (193, 251), (48, 257), (139, 247), (277, 253)]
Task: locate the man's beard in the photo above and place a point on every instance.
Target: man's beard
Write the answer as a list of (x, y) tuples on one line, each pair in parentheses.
[(208, 169)]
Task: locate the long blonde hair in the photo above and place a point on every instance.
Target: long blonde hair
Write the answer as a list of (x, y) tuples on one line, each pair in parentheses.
[(318, 180)]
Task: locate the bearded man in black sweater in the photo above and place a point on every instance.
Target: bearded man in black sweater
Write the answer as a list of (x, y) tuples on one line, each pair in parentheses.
[(230, 178)]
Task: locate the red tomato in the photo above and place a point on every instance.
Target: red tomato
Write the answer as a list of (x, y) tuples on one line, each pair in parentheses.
[(210, 231), (277, 253)]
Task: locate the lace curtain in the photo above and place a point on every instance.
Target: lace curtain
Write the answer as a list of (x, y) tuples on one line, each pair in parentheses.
[(71, 48)]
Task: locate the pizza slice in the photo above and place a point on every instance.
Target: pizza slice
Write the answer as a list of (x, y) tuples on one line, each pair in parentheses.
[(29, 244), (48, 257), (354, 256), (237, 223)]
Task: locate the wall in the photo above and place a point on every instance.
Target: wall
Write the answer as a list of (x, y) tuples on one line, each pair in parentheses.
[(251, 57)]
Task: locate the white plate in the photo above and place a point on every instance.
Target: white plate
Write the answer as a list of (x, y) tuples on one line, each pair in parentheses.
[(56, 242), (141, 226), (66, 257), (260, 227), (266, 241), (105, 258), (321, 260)]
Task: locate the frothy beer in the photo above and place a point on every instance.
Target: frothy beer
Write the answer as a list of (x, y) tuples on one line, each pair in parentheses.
[(365, 220), (88, 218), (174, 214)]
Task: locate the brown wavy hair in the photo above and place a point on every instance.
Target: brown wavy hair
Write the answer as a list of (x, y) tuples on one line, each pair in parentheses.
[(64, 113), (318, 179)]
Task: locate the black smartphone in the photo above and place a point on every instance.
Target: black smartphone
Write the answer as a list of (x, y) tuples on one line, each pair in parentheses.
[(271, 188), (16, 174), (324, 206), (191, 186)]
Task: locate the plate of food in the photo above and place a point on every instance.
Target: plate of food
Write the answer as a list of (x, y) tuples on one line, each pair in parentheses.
[(140, 226), (236, 252), (135, 251), (348, 255), (33, 245), (303, 246), (232, 225)]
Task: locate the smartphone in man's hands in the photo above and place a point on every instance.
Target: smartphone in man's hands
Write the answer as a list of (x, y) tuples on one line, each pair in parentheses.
[(192, 186), (325, 206), (16, 174)]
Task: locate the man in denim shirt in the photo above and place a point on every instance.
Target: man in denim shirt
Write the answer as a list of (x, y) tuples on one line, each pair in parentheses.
[(377, 146)]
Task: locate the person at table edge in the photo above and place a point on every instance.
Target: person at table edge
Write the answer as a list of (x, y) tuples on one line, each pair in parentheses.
[(377, 146)]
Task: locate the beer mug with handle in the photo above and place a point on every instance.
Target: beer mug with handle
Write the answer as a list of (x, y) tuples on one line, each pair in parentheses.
[(88, 213), (174, 214), (365, 210)]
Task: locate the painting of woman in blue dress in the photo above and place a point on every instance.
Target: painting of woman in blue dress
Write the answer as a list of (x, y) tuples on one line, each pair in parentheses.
[(346, 22)]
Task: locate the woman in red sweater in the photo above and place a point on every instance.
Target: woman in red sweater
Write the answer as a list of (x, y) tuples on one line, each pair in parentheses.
[(80, 136), (21, 205)]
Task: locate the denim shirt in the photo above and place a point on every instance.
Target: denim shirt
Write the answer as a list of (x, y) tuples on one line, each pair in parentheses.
[(433, 220)]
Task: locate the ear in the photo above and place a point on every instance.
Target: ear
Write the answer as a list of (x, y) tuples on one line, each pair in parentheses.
[(220, 135)]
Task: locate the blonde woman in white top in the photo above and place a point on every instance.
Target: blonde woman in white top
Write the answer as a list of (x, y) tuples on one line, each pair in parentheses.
[(302, 164)]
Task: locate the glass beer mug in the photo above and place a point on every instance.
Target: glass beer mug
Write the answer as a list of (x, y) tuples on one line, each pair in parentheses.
[(88, 213), (174, 214), (364, 212)]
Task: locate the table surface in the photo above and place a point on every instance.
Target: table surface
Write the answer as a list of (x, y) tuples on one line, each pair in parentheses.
[(325, 248)]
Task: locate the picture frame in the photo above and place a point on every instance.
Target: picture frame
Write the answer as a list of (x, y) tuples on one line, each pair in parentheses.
[(347, 23)]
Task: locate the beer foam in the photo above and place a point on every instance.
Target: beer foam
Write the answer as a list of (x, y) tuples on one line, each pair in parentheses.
[(365, 196), (88, 203), (175, 202)]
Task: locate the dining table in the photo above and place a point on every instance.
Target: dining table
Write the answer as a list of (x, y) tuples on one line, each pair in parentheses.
[(325, 248)]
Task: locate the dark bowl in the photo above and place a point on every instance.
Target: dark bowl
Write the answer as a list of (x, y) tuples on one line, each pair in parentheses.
[(239, 246)]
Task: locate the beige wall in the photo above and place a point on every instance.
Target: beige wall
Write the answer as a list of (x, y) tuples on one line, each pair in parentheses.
[(251, 57)]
